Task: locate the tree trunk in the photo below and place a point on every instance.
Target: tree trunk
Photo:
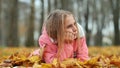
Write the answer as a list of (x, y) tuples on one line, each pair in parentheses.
[(13, 35), (67, 5), (42, 16), (116, 10), (88, 32), (49, 5), (102, 21), (0, 24), (100, 25), (3, 24), (98, 35), (10, 26), (57, 4), (78, 11), (116, 24), (30, 33)]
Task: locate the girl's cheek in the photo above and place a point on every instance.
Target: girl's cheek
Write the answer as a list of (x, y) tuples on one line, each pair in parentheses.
[(69, 30)]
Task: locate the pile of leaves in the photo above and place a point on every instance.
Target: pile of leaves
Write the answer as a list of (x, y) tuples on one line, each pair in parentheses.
[(97, 60)]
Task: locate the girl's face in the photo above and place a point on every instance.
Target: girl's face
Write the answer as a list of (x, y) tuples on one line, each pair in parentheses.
[(70, 28)]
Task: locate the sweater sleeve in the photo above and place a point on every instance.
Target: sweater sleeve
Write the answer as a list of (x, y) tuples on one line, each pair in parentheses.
[(49, 54), (51, 51), (82, 50)]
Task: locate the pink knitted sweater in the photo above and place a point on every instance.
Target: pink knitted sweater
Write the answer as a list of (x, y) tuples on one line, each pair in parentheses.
[(69, 50)]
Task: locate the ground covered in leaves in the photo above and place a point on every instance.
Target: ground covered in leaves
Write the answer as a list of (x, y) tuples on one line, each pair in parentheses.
[(100, 57)]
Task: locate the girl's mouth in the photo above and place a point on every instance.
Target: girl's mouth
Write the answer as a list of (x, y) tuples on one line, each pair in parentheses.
[(75, 36)]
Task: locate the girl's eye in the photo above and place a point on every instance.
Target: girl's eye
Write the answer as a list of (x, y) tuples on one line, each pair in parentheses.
[(75, 23), (69, 26)]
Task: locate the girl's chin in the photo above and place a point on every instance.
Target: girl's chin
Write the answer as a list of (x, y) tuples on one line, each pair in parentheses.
[(75, 37)]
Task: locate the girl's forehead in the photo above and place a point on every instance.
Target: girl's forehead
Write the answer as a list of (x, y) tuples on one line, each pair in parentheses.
[(69, 19)]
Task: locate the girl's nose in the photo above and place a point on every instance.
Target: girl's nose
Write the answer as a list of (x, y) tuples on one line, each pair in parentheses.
[(74, 28)]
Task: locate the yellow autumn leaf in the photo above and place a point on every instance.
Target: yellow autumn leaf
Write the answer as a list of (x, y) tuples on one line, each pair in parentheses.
[(45, 65), (55, 61), (36, 65), (70, 62), (34, 59), (93, 60)]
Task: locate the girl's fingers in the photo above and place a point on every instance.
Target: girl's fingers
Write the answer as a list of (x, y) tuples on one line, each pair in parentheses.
[(69, 37)]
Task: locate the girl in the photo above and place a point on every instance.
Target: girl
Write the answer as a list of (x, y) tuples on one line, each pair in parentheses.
[(62, 38)]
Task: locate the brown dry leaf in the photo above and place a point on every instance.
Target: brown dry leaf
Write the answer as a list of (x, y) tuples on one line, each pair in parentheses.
[(27, 63), (116, 63), (17, 59), (4, 65), (93, 61), (115, 60), (103, 61), (70, 63), (2, 59), (101, 57)]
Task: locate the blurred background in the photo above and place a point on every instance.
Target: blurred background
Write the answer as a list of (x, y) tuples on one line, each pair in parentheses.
[(21, 20)]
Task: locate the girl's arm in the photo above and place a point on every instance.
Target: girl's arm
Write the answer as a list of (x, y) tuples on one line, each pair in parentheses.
[(49, 54), (82, 50)]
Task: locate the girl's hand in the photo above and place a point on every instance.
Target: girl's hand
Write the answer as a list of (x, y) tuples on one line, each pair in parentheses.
[(38, 52), (69, 37)]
